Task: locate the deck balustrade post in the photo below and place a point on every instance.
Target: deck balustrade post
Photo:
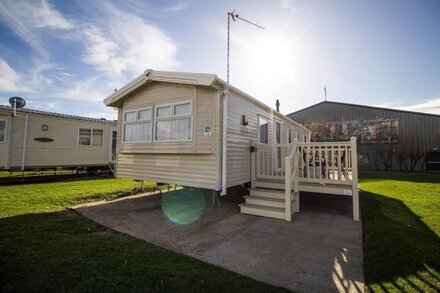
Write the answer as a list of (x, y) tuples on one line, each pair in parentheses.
[(355, 192), (253, 164), (288, 190), (296, 177)]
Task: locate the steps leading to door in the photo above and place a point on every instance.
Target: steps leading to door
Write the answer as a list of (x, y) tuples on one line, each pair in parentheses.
[(263, 211), (265, 202), (270, 184), (273, 193)]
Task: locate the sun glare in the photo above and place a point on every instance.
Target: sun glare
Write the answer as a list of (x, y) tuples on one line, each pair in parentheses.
[(266, 61)]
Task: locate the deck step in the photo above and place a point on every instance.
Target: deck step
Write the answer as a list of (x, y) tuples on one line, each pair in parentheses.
[(263, 211), (265, 201), (269, 184), (273, 193)]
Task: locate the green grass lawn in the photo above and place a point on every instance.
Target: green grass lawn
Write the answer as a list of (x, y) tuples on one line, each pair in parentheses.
[(45, 247), (401, 218)]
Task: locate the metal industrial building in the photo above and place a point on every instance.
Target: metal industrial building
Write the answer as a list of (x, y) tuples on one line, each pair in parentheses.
[(388, 139)]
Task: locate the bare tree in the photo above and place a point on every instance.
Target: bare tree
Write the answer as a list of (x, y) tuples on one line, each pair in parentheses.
[(402, 156), (386, 154), (414, 155)]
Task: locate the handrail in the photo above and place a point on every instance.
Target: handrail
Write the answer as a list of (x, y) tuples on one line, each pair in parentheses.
[(293, 150), (291, 180), (276, 145), (325, 143)]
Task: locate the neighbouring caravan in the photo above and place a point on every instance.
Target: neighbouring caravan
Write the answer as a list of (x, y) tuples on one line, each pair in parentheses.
[(196, 130), (33, 139), (170, 130)]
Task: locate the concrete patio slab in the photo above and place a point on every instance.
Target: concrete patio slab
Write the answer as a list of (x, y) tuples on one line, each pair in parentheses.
[(316, 252)]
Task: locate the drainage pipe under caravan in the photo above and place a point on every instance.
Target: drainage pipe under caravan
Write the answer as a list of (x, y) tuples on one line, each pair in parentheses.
[(25, 135), (224, 139)]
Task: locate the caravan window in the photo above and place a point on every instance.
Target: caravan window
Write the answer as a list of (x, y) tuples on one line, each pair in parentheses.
[(163, 111), (277, 132), (137, 125), (263, 127), (91, 137), (130, 116), (174, 122), (2, 130), (290, 135)]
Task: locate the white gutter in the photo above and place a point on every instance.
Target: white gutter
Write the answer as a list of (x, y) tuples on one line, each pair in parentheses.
[(25, 134), (224, 140)]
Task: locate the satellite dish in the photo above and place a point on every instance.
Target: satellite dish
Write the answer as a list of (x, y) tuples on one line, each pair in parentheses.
[(17, 102)]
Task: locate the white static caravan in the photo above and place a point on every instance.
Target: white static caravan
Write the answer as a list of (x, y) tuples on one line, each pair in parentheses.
[(33, 139), (195, 130)]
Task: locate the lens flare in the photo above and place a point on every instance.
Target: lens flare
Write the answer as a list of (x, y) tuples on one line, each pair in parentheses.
[(183, 206)]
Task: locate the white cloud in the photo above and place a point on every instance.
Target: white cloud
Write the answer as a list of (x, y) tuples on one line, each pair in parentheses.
[(44, 105), (117, 44), (288, 4), (109, 115), (127, 44), (28, 18), (179, 6), (431, 106), (33, 80), (10, 80), (44, 15), (86, 90)]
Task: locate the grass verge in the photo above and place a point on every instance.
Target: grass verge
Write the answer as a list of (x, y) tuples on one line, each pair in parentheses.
[(48, 248), (401, 218)]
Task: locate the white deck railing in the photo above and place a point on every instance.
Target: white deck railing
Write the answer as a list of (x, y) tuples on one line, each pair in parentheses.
[(326, 162), (319, 162), (270, 160), (307, 162)]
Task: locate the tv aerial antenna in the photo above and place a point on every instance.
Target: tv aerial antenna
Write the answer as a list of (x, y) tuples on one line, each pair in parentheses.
[(16, 103), (234, 16)]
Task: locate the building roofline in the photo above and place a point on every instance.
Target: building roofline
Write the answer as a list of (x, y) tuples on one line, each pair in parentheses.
[(187, 78), (364, 106), (9, 109)]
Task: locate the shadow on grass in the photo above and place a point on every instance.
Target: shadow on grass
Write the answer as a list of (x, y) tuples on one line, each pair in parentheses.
[(400, 251), (62, 251), (426, 177)]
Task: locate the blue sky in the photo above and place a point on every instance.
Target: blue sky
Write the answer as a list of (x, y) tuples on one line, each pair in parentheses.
[(67, 56)]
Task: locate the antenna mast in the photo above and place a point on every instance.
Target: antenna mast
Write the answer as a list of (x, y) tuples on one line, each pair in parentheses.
[(235, 17), (325, 93)]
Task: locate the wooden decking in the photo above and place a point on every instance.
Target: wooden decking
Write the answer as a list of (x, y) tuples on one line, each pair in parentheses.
[(326, 168)]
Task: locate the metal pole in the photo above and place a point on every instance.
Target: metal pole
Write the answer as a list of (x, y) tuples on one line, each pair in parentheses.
[(227, 54)]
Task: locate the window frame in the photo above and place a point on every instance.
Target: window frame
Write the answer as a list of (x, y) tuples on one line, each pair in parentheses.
[(91, 137), (137, 121), (258, 128), (181, 103), (162, 106), (173, 117), (5, 140), (289, 135), (275, 122)]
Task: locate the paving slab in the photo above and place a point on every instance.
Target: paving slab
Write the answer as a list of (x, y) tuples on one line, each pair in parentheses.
[(316, 252)]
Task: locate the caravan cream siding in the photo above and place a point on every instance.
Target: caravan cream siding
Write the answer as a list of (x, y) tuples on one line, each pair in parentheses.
[(194, 163), (64, 151), (240, 137), (4, 146)]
